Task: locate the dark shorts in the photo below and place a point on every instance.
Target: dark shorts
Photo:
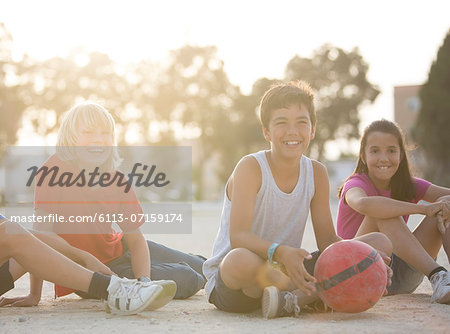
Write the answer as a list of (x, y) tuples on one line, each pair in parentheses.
[(236, 301), (405, 279), (6, 280)]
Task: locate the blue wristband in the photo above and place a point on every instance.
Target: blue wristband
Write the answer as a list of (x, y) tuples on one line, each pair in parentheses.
[(271, 250)]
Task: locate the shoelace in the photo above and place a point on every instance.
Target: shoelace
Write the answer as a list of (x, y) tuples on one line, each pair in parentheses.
[(127, 290), (445, 279), (291, 304)]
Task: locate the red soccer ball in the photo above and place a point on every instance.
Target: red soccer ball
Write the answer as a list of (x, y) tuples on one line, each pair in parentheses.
[(351, 276)]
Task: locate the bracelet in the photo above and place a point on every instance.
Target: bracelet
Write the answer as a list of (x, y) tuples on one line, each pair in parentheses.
[(271, 250)]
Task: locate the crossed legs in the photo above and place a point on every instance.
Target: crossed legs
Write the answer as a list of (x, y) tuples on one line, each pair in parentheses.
[(418, 248), (244, 270)]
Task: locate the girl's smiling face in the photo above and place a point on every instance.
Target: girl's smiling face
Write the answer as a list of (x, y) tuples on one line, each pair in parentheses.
[(382, 156)]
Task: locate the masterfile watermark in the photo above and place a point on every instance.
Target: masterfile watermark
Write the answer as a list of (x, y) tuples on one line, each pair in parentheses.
[(105, 179), (150, 189)]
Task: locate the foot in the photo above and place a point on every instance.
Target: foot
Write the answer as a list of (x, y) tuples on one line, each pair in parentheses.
[(169, 288), (126, 297), (441, 287), (276, 303), (319, 306)]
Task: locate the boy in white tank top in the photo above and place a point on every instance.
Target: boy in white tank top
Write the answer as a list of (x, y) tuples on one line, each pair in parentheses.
[(267, 200)]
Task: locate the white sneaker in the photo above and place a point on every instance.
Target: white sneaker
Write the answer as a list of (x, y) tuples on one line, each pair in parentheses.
[(276, 303), (441, 287), (127, 297), (169, 288)]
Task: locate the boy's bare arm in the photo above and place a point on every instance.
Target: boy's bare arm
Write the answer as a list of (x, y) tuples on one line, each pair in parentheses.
[(320, 209), (80, 256), (33, 298), (242, 189), (244, 185), (140, 256)]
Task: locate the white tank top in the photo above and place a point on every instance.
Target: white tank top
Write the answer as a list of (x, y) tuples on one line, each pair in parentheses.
[(278, 217)]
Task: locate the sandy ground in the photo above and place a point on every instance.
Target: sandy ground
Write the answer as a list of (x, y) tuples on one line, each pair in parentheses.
[(397, 314)]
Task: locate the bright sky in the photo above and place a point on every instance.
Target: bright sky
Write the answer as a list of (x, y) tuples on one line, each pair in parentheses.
[(398, 39)]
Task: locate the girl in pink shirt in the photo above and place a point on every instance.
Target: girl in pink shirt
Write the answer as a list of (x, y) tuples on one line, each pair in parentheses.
[(381, 194)]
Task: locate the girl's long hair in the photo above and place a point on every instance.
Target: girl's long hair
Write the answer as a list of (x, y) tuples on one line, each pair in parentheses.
[(401, 184)]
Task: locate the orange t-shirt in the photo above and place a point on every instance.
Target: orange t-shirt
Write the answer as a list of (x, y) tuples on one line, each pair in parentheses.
[(103, 206)]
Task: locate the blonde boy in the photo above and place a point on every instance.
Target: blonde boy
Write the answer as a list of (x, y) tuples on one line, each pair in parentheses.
[(86, 141)]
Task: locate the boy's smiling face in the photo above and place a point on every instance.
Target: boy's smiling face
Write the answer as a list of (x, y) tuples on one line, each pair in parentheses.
[(93, 136), (290, 131), (94, 144)]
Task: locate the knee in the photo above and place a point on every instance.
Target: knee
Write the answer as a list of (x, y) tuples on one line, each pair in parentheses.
[(241, 264), (11, 234), (189, 282), (381, 242), (385, 244)]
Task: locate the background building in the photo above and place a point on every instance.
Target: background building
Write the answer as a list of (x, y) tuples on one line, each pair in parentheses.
[(406, 109)]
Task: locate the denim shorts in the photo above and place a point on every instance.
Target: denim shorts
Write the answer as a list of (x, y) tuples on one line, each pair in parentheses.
[(405, 278), (6, 280), (236, 301)]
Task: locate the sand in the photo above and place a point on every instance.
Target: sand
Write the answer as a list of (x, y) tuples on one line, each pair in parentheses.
[(395, 314)]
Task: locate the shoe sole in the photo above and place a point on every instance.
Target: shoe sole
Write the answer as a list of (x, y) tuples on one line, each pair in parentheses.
[(169, 288), (270, 302), (114, 311)]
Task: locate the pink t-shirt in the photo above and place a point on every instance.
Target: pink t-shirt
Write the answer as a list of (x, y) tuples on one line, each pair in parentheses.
[(348, 220)]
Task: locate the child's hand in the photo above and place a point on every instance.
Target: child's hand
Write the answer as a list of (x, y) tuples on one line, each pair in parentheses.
[(442, 223), (432, 209), (389, 274), (386, 259), (92, 263), (292, 259), (22, 301)]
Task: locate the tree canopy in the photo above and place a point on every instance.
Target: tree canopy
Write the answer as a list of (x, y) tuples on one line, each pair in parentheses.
[(340, 81), (12, 101), (431, 129), (186, 98)]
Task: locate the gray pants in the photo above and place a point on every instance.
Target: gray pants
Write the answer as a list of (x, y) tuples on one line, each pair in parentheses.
[(167, 263)]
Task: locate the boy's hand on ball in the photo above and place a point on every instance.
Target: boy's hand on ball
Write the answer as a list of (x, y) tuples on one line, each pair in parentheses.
[(389, 274), (292, 259), (386, 259)]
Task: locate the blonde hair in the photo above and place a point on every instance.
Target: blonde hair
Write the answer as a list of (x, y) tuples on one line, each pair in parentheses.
[(90, 114)]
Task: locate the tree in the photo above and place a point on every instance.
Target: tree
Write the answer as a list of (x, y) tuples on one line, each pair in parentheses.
[(243, 135), (339, 79), (431, 129), (12, 104), (59, 83), (195, 91)]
